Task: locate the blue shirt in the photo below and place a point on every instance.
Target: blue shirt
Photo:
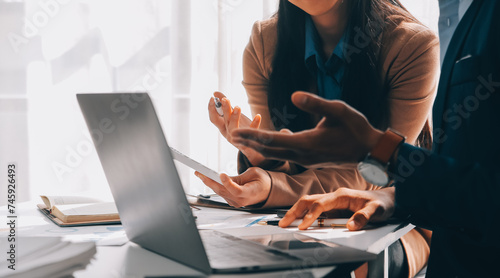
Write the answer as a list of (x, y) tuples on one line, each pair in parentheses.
[(328, 74), (450, 14)]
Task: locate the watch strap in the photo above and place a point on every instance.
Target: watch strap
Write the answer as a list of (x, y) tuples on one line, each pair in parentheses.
[(386, 146)]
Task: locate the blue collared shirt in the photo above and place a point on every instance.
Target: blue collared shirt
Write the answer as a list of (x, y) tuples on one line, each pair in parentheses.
[(451, 12), (328, 74)]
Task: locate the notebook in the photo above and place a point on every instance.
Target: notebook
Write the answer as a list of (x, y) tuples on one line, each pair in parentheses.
[(69, 211), (155, 213)]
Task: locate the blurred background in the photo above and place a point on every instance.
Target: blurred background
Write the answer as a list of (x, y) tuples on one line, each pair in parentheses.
[(180, 51)]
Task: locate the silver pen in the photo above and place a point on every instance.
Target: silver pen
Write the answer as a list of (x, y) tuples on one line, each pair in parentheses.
[(218, 106), (335, 223)]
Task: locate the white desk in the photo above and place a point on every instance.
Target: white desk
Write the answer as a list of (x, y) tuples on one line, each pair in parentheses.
[(130, 260)]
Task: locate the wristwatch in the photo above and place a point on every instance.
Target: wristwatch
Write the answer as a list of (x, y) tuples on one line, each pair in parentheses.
[(374, 167)]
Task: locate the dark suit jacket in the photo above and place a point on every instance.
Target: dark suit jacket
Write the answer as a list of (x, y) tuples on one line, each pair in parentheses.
[(454, 189)]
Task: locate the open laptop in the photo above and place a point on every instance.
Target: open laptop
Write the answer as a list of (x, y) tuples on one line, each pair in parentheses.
[(152, 204)]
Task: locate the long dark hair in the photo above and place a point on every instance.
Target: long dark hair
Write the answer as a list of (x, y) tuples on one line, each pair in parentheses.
[(362, 87)]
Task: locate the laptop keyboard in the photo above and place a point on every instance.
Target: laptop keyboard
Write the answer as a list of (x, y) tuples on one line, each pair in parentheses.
[(222, 247)]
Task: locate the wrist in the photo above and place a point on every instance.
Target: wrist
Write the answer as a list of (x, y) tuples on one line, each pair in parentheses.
[(373, 139), (387, 146), (264, 192), (375, 167)]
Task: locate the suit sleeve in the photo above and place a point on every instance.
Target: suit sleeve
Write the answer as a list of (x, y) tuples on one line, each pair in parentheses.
[(438, 191)]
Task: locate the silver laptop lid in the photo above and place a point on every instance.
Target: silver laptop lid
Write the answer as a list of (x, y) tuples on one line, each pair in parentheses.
[(142, 176)]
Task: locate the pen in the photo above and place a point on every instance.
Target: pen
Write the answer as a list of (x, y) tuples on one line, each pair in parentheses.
[(218, 106), (336, 223)]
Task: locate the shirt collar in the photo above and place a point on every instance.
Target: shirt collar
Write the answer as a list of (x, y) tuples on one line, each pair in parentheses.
[(313, 49), (450, 7)]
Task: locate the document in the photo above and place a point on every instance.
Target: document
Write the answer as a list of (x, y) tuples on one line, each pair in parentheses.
[(193, 164), (45, 257)]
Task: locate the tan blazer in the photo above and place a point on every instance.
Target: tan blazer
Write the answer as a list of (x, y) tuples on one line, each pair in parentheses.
[(410, 65)]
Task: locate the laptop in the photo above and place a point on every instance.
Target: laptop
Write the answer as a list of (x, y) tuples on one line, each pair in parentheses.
[(154, 210)]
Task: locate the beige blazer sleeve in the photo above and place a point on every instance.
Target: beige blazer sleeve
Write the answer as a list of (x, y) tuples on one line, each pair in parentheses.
[(257, 62)]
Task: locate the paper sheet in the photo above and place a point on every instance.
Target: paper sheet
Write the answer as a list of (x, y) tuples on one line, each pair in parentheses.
[(193, 164), (39, 226)]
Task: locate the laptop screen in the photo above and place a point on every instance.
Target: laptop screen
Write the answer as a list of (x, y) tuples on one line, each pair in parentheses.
[(142, 176)]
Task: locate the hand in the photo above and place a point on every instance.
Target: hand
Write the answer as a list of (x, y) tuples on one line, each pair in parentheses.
[(367, 205), (343, 135), (232, 120), (250, 188)]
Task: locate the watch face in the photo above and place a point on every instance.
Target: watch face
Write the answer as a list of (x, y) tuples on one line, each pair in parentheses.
[(373, 172)]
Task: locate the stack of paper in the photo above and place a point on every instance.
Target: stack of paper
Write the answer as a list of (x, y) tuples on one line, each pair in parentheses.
[(44, 257)]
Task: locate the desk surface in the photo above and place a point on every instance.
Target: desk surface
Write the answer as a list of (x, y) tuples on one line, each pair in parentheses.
[(130, 260), (116, 257)]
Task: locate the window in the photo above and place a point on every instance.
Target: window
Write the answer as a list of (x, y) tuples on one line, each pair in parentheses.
[(180, 51)]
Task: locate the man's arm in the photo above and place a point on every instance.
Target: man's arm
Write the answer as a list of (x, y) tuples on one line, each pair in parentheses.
[(442, 192), (449, 193), (343, 135)]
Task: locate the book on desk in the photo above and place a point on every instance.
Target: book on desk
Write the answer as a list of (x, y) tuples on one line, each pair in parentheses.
[(69, 211)]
